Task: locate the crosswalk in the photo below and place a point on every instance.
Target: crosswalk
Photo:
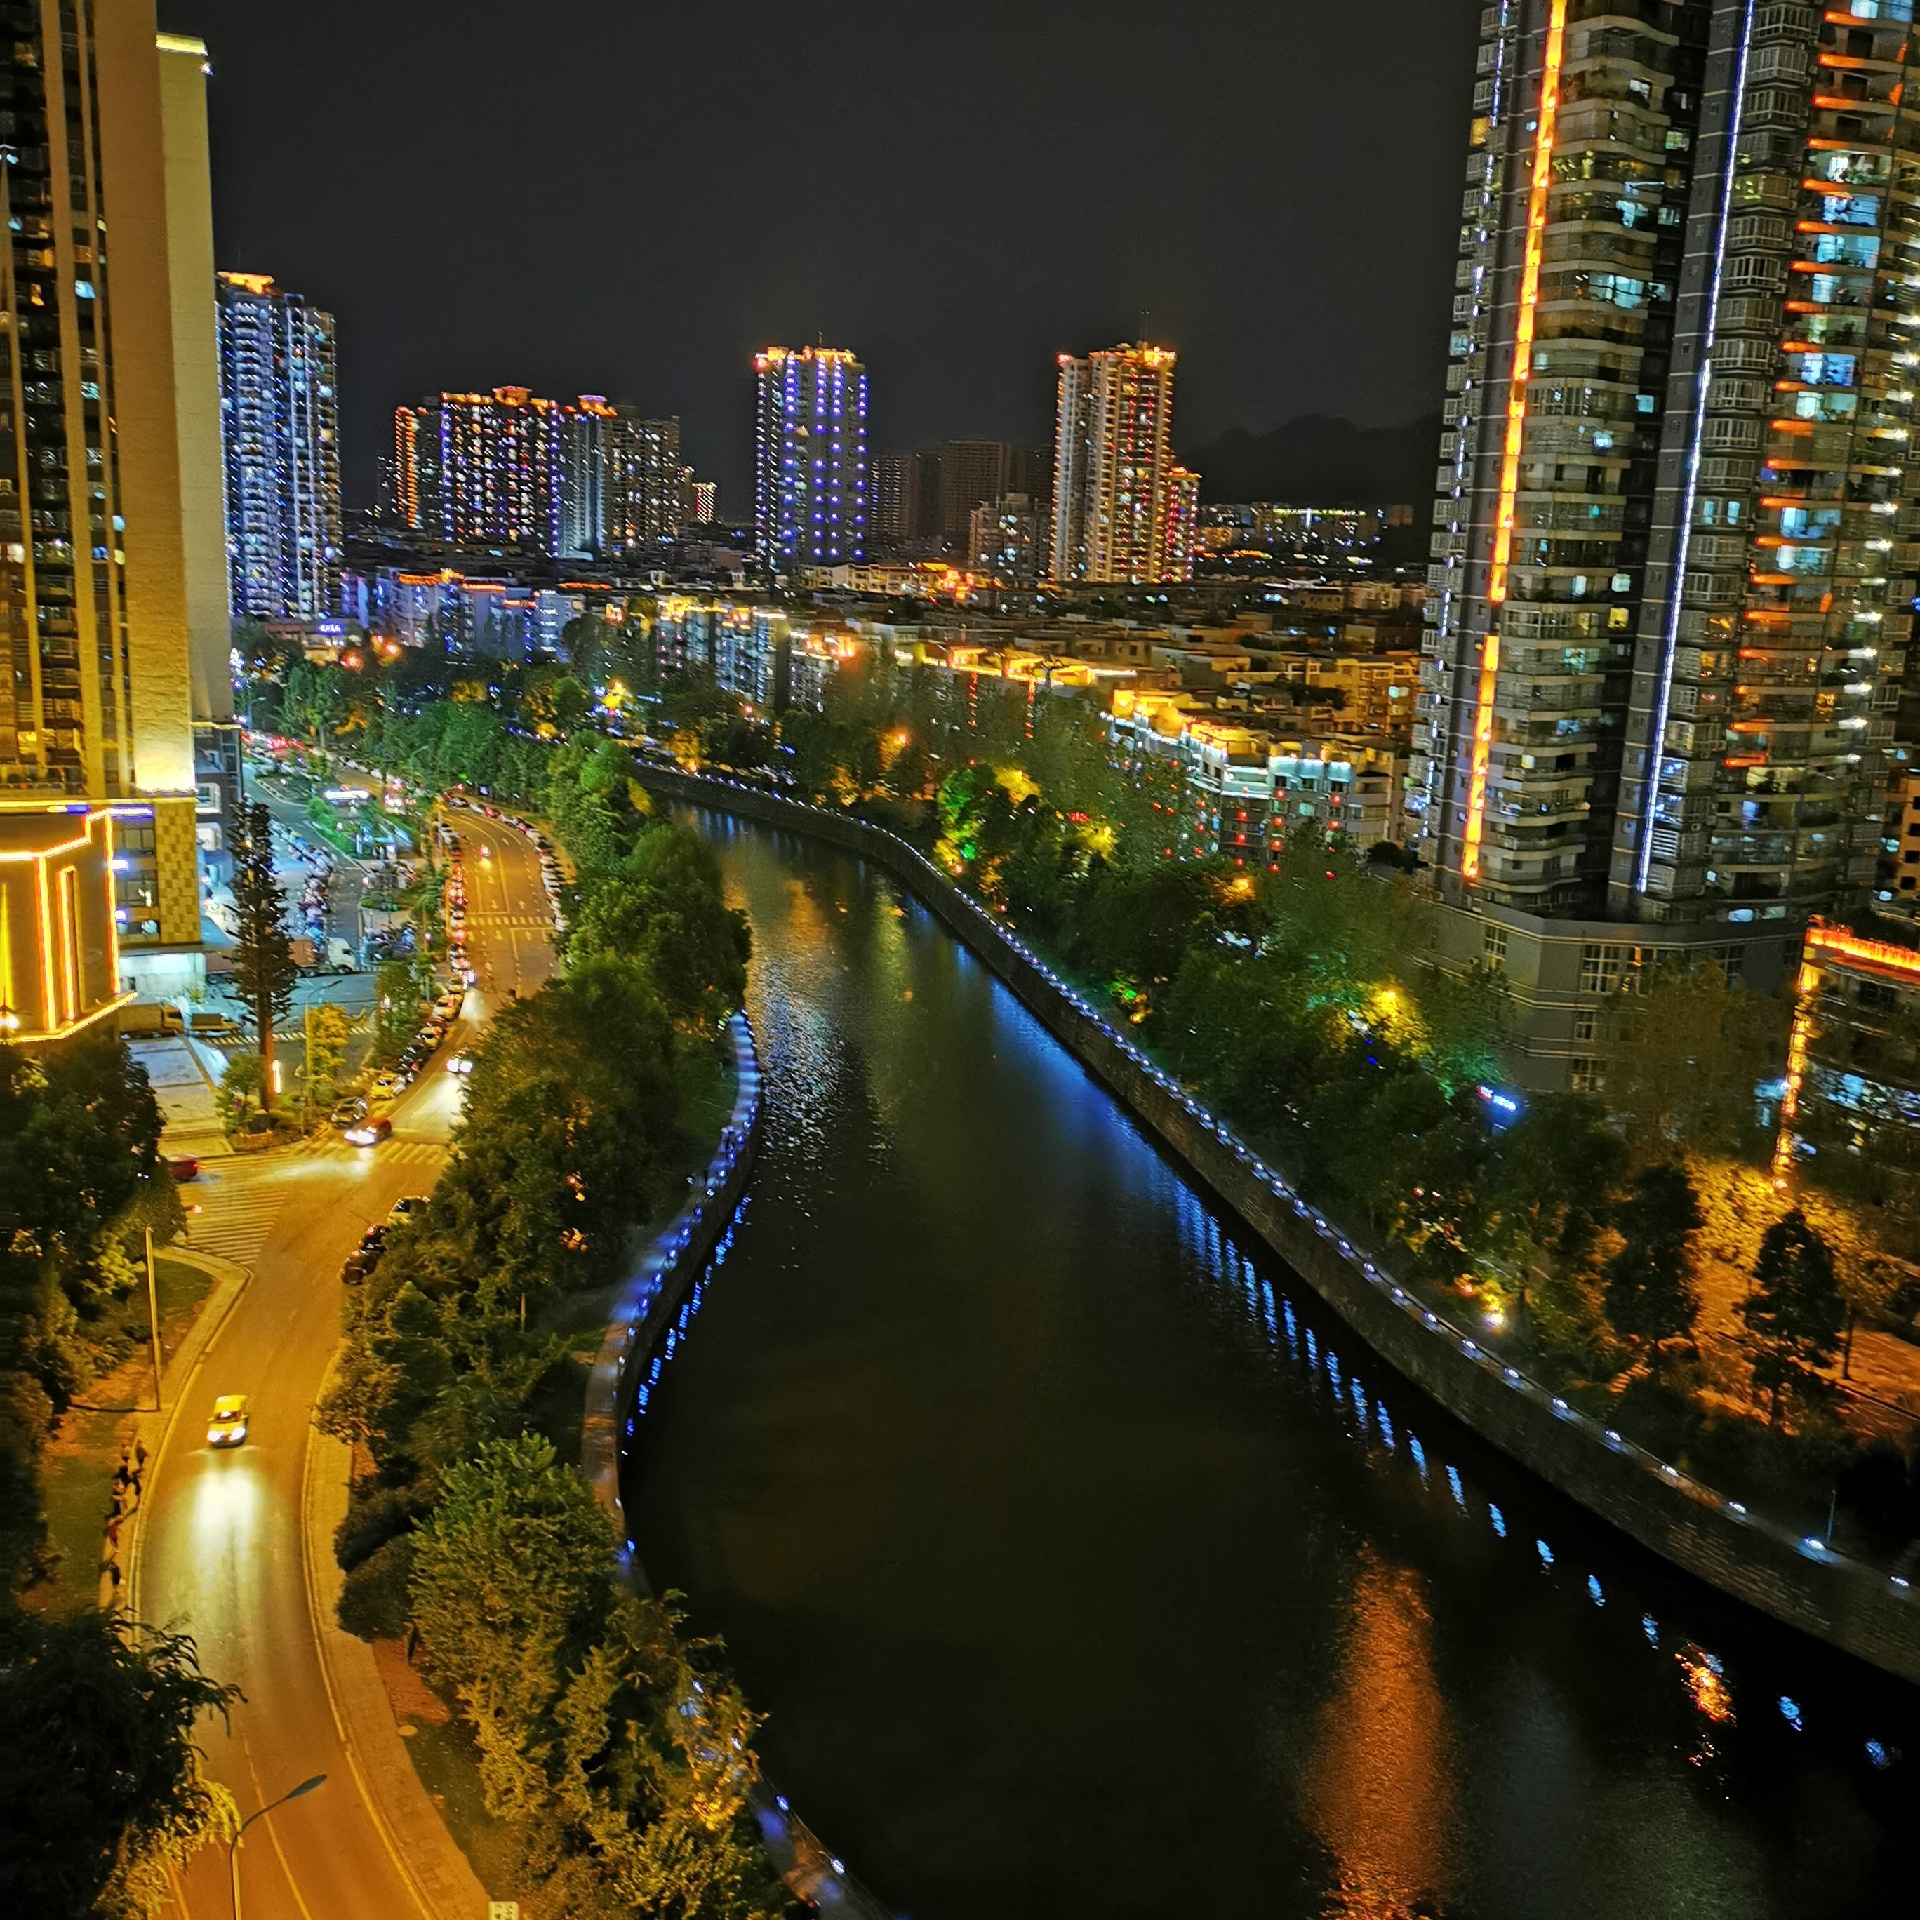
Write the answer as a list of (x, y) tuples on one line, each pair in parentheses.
[(400, 1153), (231, 1210), (232, 1207)]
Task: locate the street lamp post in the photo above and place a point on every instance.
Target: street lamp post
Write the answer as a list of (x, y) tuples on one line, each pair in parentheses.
[(233, 1845)]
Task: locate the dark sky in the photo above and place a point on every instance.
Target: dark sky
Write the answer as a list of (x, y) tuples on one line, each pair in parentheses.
[(621, 197)]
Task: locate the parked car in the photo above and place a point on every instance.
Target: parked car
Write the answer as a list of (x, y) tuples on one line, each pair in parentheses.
[(406, 1207), (348, 1111), (388, 1085), (365, 1257), (183, 1166), (370, 1132)]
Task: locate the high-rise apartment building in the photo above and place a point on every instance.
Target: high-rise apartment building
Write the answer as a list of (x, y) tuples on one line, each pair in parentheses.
[(810, 487), (1112, 465), (1675, 534), (508, 468), (98, 866), (1006, 540), (280, 423), (705, 495)]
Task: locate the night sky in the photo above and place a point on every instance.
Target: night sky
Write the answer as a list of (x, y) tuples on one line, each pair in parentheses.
[(620, 197)]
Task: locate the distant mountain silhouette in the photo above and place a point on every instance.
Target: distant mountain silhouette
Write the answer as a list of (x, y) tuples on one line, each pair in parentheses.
[(1317, 461)]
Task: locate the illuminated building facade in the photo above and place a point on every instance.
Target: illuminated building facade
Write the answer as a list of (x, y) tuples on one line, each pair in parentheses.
[(280, 423), (1113, 466), (508, 468), (810, 485), (706, 501), (102, 495), (484, 469), (1675, 537), (623, 484), (1182, 523), (1850, 1112)]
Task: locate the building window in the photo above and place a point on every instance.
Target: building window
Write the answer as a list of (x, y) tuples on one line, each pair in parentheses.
[(1599, 968), (1495, 948), (1585, 1074), (1585, 1025)]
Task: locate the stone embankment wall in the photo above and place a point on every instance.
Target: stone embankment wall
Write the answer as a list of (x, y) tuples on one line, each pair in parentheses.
[(1850, 1605)]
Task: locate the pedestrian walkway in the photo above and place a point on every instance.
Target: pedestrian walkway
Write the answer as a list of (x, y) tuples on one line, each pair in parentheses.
[(394, 1152), (232, 1208)]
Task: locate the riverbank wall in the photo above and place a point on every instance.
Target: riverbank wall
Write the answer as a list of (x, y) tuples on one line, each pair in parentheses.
[(1859, 1609), (646, 1315)]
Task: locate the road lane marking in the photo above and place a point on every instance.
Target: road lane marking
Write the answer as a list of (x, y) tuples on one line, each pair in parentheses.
[(280, 1852)]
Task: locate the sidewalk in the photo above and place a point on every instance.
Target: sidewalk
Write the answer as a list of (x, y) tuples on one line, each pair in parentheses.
[(184, 1087), (363, 1710)]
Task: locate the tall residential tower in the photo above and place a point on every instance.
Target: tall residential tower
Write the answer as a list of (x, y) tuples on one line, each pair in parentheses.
[(1675, 536), (810, 484), (1113, 469), (98, 862), (280, 420)]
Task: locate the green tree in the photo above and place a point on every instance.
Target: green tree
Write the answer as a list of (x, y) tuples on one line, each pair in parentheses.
[(102, 1790), (1651, 1298), (241, 1086), (512, 1582), (1685, 1053), (326, 1051), (263, 964), (1552, 1178), (663, 905), (1795, 1312)]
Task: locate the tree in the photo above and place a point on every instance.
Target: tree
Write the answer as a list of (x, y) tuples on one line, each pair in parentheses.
[(1555, 1168), (326, 1051), (1650, 1293), (263, 965), (512, 1581), (1795, 1312), (242, 1083), (1685, 1052), (102, 1791)]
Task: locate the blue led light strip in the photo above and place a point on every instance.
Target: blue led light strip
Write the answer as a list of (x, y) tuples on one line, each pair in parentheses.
[(1670, 641)]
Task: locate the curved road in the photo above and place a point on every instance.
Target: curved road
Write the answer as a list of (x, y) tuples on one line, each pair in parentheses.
[(222, 1549)]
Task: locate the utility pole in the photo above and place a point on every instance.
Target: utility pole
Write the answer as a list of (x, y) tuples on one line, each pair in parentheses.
[(153, 1321)]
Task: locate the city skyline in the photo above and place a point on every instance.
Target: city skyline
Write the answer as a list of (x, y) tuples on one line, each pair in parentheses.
[(396, 228)]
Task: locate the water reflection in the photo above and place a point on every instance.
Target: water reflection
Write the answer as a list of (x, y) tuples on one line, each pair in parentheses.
[(1084, 1564), (1378, 1788)]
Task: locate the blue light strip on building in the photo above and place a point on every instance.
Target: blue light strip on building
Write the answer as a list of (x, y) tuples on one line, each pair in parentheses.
[(1677, 583)]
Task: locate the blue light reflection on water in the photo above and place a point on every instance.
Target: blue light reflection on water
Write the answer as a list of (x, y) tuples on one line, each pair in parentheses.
[(829, 1042)]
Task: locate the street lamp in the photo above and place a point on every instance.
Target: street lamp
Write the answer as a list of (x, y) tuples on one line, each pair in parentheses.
[(233, 1845), (9, 1021)]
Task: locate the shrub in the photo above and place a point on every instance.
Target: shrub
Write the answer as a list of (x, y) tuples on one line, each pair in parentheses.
[(373, 1602)]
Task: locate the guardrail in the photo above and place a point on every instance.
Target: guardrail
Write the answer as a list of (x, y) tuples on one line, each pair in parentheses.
[(1797, 1579)]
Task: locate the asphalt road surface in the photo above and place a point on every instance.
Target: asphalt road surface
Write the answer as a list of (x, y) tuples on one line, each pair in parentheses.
[(223, 1550)]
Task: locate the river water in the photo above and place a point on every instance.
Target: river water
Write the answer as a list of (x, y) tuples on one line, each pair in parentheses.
[(1083, 1565)]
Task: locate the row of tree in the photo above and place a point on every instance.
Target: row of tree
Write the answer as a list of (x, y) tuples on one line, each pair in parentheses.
[(101, 1787), (612, 1742)]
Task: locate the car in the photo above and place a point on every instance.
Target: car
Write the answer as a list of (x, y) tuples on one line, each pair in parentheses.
[(227, 1424), (183, 1166), (406, 1207), (388, 1085), (369, 1133), (486, 852), (460, 1063), (365, 1257), (352, 1108), (450, 1004)]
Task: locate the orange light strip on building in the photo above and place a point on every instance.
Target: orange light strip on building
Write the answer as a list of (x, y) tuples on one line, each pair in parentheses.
[(1516, 425), (1882, 956)]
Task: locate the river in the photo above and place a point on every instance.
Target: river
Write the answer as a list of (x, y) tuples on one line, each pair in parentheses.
[(1082, 1564)]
